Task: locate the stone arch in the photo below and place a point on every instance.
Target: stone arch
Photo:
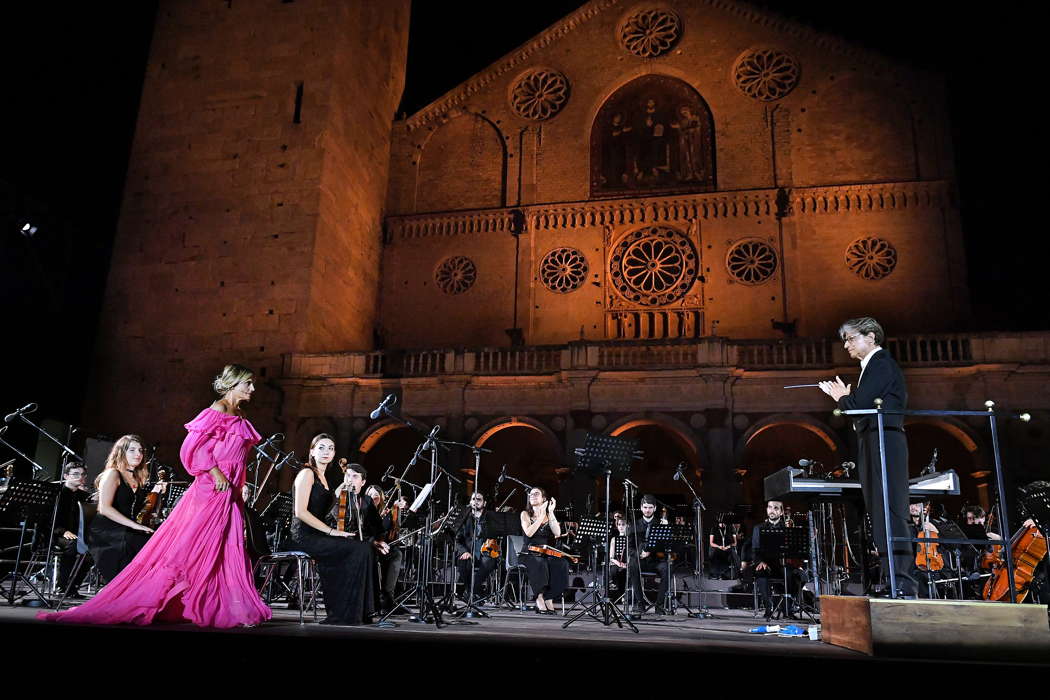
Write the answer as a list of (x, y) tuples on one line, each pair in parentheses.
[(959, 448), (463, 165), (531, 451), (779, 441), (664, 441), (652, 134), (388, 442), (823, 431)]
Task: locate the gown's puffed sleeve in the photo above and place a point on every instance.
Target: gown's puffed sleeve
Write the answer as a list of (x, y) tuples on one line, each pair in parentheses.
[(196, 452)]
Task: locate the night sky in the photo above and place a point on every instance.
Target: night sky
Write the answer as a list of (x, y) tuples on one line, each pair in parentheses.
[(74, 75)]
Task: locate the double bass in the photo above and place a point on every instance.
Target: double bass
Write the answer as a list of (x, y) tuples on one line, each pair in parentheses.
[(1027, 548)]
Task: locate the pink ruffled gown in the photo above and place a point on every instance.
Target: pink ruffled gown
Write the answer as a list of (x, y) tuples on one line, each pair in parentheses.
[(194, 568)]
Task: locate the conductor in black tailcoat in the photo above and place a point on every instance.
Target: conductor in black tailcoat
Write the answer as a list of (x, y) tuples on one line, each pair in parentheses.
[(880, 378)]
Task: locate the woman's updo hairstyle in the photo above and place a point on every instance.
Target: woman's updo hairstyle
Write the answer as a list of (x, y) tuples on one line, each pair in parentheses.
[(231, 376)]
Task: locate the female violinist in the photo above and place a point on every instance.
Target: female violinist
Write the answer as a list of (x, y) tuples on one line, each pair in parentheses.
[(548, 576), (344, 561), (113, 536), (618, 555)]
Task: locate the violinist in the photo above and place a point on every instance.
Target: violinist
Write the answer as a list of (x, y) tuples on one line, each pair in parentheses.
[(114, 537), (548, 575), (345, 561), (390, 562), (470, 541), (722, 543), (69, 528), (646, 560)]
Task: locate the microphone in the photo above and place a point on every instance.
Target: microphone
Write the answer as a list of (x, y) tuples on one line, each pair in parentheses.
[(434, 431), (807, 462), (28, 408), (630, 483), (677, 474), (502, 475), (386, 474), (390, 400), (2, 431)]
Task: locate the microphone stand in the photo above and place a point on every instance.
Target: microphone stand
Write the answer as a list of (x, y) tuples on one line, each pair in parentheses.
[(23, 455), (52, 438), (472, 609), (698, 523)]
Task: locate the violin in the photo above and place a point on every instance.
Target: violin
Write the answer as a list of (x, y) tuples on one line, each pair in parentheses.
[(992, 558), (927, 558), (150, 511), (344, 499), (491, 548)]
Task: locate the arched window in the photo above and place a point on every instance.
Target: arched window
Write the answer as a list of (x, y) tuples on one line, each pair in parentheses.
[(653, 135)]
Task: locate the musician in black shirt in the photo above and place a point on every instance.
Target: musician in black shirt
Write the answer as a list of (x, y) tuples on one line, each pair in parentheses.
[(766, 564), (469, 541), (70, 528), (642, 559)]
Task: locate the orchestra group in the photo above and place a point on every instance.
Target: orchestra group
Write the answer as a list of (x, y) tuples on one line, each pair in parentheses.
[(162, 560)]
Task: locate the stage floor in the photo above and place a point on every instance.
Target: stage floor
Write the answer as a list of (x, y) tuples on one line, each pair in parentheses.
[(507, 636)]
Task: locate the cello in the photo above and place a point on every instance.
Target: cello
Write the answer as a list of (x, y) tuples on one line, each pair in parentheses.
[(1027, 548)]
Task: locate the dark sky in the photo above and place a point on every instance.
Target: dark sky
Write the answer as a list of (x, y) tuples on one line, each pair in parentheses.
[(73, 78)]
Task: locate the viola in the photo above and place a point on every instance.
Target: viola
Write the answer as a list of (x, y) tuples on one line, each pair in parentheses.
[(553, 552), (927, 558), (491, 548), (344, 499)]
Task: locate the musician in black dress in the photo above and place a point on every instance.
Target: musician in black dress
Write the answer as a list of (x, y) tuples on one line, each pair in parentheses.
[(114, 537), (469, 540), (548, 575), (880, 378), (646, 560), (618, 556), (722, 543), (345, 560), (70, 534)]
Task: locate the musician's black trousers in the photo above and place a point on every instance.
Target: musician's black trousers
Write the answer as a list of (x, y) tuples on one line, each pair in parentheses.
[(870, 469), (547, 575), (650, 564), (390, 563), (485, 567)]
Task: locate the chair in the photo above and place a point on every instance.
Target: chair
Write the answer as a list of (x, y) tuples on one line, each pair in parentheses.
[(305, 571), (514, 545)]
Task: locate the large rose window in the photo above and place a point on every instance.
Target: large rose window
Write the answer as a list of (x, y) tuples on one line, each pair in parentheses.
[(871, 258), (653, 266), (455, 275)]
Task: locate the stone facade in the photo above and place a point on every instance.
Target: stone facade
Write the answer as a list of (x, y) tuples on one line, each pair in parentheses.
[(251, 222)]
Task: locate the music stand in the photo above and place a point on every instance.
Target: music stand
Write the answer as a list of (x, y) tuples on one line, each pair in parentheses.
[(598, 531), (787, 543), (278, 511), (1035, 503), (663, 538), (604, 455), (32, 500)]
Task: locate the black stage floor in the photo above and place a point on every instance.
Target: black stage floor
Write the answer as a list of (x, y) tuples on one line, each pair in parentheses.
[(507, 637)]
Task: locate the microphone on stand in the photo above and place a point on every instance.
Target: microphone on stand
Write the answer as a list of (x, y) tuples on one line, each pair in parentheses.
[(502, 475), (28, 408), (679, 468), (390, 400), (386, 474), (630, 483), (433, 433)]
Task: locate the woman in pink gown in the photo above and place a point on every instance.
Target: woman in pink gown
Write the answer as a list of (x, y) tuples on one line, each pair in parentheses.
[(194, 568)]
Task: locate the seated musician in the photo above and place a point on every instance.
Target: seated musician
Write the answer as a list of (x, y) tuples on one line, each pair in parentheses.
[(618, 556), (389, 563), (344, 557), (765, 564), (548, 575), (646, 560), (470, 560), (70, 529), (113, 536)]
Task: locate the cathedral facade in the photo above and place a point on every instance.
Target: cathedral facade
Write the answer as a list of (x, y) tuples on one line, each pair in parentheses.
[(644, 222)]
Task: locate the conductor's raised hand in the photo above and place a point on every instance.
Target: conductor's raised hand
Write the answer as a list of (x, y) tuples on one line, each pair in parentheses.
[(836, 389)]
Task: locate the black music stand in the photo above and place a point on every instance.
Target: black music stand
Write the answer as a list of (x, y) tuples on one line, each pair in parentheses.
[(663, 538), (32, 500), (279, 512), (787, 543), (604, 455), (598, 531)]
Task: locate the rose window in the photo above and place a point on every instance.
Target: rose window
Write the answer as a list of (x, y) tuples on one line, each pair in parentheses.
[(539, 94), (653, 266), (456, 275), (766, 74), (871, 258), (563, 270), (650, 33), (751, 261)]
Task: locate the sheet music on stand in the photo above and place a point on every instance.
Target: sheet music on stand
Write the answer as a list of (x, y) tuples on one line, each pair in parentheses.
[(30, 498), (788, 542), (175, 494), (601, 452), (596, 528), (1035, 503), (661, 537)]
